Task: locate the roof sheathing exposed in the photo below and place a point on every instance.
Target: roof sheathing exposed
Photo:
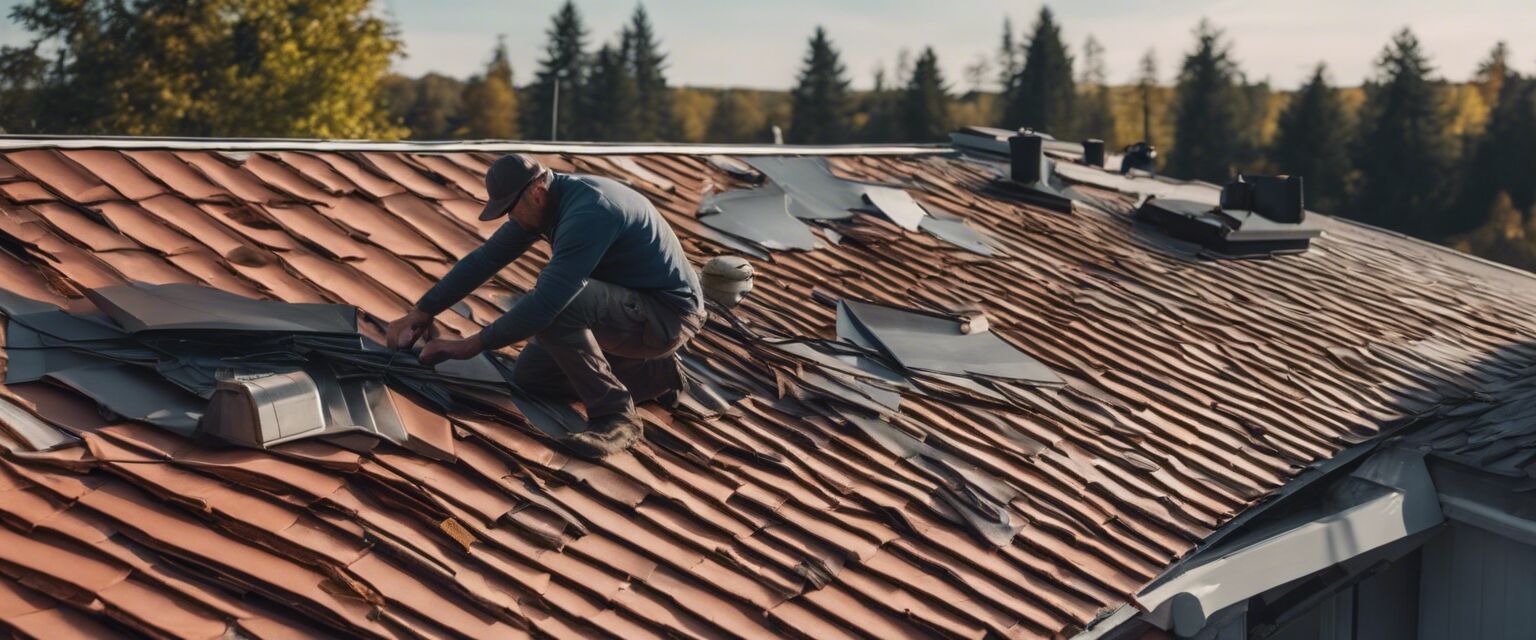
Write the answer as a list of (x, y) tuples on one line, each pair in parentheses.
[(1194, 387)]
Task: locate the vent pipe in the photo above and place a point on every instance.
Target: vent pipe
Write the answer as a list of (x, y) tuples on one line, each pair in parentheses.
[(1026, 156), (1279, 198), (1093, 152)]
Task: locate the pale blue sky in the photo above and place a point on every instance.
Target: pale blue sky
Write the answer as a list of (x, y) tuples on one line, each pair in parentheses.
[(759, 44)]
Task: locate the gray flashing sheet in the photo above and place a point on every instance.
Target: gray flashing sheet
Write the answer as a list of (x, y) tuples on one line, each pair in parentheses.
[(1155, 186), (167, 307), (135, 393), (815, 193), (1388, 498), (897, 205), (760, 216), (926, 342), (958, 233)]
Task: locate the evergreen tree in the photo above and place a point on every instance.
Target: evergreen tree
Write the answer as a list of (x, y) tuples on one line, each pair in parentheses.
[(1207, 136), (925, 103), (1008, 64), (1492, 72), (284, 68), (821, 105), (1043, 94), (1504, 159), (1146, 84), (490, 102), (883, 124), (654, 117), (1312, 141), (1095, 115), (438, 109), (565, 62), (737, 118), (610, 112), (1406, 155)]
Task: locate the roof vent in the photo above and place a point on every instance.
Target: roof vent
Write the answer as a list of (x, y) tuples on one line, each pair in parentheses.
[(1141, 156), (1093, 152), (1258, 216), (1028, 166), (1278, 198)]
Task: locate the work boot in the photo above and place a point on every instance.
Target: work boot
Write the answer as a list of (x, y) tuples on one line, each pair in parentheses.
[(673, 398), (605, 435)]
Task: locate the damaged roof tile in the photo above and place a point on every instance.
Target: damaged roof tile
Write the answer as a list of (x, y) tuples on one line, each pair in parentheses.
[(1123, 400)]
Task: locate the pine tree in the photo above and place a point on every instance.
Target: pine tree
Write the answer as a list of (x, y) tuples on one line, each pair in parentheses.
[(1492, 72), (490, 102), (925, 103), (883, 124), (438, 109), (610, 111), (1146, 83), (289, 68), (565, 62), (1008, 64), (1043, 94), (737, 118), (821, 105), (1504, 158), (1207, 137), (1312, 141), (1405, 154), (1095, 115), (655, 119)]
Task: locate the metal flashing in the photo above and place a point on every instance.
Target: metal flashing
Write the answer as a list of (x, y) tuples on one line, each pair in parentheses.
[(18, 141), (1390, 496)]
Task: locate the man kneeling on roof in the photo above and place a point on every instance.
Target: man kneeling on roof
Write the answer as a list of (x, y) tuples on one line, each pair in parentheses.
[(608, 313)]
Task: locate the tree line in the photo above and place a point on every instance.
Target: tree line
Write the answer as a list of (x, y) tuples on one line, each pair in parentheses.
[(1409, 150)]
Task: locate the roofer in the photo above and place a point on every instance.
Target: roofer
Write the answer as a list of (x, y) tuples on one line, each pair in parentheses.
[(607, 314)]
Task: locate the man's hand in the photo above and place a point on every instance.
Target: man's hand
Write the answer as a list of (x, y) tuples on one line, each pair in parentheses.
[(406, 330), (443, 349)]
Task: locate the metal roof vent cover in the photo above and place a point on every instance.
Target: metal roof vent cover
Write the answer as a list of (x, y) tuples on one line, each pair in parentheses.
[(1259, 216), (1028, 166)]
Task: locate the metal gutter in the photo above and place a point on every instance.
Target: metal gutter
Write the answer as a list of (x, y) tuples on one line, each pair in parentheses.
[(1389, 497), (11, 142)]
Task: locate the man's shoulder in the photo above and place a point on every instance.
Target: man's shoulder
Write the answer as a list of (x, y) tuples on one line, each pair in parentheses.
[(588, 192)]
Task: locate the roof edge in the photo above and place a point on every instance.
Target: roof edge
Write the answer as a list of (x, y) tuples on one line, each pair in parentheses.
[(21, 141)]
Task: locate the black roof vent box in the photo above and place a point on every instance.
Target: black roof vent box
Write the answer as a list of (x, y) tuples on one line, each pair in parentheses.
[(1258, 216)]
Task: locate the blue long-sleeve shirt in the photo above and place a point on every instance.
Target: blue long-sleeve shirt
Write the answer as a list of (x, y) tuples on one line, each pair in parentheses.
[(600, 229)]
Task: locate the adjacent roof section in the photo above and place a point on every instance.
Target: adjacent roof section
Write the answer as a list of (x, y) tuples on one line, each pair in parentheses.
[(832, 490)]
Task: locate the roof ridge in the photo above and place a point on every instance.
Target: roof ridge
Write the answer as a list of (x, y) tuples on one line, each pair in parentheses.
[(27, 141)]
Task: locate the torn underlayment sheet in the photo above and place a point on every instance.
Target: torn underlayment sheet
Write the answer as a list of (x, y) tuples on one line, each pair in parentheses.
[(936, 344), (202, 362), (805, 189), (760, 216)]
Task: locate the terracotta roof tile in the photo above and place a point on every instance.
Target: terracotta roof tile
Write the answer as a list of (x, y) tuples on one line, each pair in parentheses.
[(1193, 388)]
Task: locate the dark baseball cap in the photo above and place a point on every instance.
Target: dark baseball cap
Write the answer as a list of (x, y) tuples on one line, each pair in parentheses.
[(506, 181)]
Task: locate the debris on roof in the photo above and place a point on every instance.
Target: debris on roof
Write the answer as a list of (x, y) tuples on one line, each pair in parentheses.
[(938, 344), (760, 216), (806, 484), (806, 189)]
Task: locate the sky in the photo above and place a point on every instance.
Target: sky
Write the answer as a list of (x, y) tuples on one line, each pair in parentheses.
[(760, 44)]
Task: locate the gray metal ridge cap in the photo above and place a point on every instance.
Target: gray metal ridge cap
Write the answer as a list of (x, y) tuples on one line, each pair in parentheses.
[(30, 141)]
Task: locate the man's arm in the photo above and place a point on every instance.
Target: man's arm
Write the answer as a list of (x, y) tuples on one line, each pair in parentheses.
[(581, 242), (504, 246)]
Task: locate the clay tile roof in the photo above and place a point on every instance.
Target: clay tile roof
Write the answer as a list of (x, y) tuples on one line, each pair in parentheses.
[(1192, 389)]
